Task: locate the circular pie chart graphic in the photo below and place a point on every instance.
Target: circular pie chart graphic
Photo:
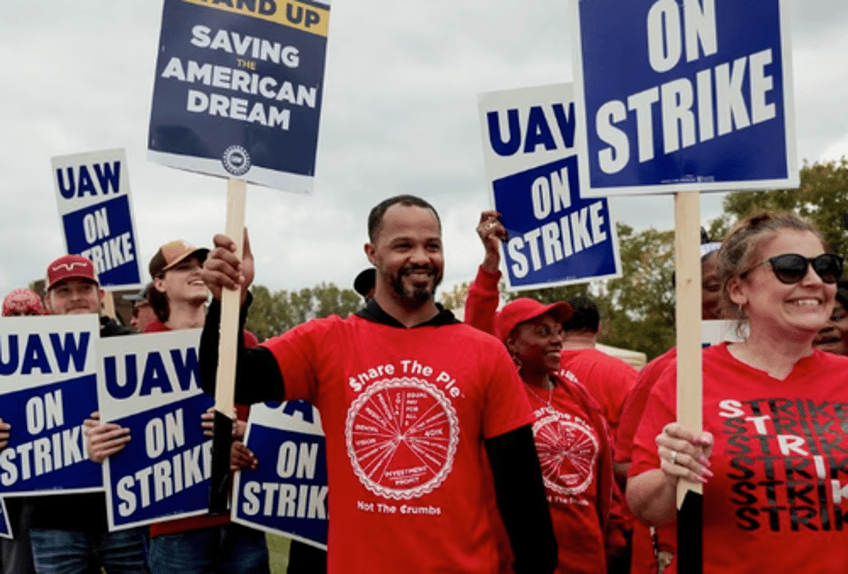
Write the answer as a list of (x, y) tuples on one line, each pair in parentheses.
[(567, 452), (401, 437)]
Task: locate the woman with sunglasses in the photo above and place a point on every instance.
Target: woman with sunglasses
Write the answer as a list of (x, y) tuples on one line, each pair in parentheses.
[(773, 453)]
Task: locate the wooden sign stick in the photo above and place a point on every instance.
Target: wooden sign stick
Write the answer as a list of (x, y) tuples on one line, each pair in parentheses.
[(687, 238), (109, 305), (219, 493)]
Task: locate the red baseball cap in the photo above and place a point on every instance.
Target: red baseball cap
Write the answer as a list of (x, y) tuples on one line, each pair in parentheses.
[(172, 253), (524, 309), (68, 267)]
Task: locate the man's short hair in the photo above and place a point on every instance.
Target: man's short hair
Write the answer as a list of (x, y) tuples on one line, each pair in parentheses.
[(375, 218), (586, 316)]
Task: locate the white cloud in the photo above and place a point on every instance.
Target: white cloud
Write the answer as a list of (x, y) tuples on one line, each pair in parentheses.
[(399, 115)]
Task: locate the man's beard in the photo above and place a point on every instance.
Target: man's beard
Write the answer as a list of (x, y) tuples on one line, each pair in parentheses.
[(416, 295)]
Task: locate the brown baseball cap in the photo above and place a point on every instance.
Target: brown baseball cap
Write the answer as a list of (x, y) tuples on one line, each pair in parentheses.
[(172, 253)]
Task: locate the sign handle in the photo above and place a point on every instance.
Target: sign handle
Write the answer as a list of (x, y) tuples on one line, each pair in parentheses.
[(219, 494), (109, 305), (689, 385)]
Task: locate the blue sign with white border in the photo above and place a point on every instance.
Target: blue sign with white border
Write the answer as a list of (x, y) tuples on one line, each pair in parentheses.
[(683, 95), (5, 525), (150, 384), (555, 236), (93, 194), (286, 493), (48, 382), (238, 90)]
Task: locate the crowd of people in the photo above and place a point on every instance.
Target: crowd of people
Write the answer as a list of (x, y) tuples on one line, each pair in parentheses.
[(504, 443)]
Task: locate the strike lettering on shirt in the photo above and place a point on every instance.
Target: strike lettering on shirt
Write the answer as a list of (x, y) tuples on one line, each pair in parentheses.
[(789, 463)]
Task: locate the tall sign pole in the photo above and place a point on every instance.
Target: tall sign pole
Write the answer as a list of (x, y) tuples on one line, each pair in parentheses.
[(687, 235)]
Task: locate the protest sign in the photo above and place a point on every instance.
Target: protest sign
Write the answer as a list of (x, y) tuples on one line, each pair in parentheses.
[(238, 89), (93, 195), (287, 493), (48, 381), (555, 237), (5, 526), (683, 96), (150, 384)]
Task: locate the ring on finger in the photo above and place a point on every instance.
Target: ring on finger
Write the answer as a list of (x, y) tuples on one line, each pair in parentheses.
[(674, 457)]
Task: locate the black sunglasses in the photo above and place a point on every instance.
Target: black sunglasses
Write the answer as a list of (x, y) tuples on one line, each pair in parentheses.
[(791, 268)]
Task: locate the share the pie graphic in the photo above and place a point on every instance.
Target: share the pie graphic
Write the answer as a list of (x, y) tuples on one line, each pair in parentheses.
[(401, 437), (567, 450)]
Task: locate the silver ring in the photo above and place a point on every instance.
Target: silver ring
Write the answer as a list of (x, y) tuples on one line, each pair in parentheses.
[(674, 457)]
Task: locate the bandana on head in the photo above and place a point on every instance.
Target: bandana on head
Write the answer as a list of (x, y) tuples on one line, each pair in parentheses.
[(22, 301)]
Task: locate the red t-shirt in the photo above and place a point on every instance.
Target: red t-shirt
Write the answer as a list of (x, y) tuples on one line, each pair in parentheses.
[(405, 412), (643, 558), (203, 520), (574, 452), (779, 499), (608, 379)]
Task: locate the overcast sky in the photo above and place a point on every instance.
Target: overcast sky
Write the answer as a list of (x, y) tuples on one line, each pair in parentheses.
[(399, 115)]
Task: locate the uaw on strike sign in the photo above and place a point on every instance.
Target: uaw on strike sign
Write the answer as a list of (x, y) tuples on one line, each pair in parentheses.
[(151, 385), (555, 236), (93, 197), (683, 95), (286, 493), (238, 89), (48, 371)]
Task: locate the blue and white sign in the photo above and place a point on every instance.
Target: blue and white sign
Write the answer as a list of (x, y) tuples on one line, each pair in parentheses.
[(683, 95), (150, 384), (287, 493), (555, 237), (238, 89), (48, 369), (93, 194), (5, 526)]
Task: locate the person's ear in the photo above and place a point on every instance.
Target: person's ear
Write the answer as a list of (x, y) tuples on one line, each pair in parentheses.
[(735, 290), (370, 253)]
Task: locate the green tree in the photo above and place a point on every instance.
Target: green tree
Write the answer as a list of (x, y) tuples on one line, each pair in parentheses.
[(275, 313), (637, 309), (640, 311), (821, 198)]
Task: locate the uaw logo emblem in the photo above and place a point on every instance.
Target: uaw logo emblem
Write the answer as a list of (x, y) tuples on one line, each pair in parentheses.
[(236, 160)]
